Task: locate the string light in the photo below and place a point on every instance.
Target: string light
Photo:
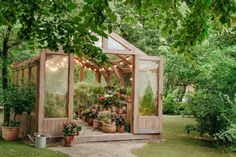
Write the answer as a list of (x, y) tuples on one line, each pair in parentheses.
[(115, 66), (131, 79), (110, 68), (130, 66), (95, 69), (121, 63), (127, 58)]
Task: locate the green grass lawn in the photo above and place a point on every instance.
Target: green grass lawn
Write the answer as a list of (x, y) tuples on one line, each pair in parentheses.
[(17, 149), (178, 144)]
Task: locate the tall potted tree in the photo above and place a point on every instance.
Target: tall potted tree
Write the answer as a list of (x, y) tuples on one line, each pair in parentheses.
[(16, 100)]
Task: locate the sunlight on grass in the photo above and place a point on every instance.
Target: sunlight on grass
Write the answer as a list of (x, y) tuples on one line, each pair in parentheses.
[(178, 144)]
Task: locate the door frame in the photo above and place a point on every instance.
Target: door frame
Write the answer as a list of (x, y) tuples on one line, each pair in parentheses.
[(136, 94)]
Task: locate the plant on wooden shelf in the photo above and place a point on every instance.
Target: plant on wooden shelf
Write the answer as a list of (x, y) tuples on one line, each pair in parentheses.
[(17, 99), (79, 128), (120, 122), (70, 129), (127, 125), (87, 94), (108, 121)]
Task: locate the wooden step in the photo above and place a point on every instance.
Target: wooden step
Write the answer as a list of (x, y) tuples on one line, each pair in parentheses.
[(115, 137)]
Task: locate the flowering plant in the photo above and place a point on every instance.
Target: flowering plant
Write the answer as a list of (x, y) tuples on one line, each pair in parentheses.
[(70, 128), (106, 100)]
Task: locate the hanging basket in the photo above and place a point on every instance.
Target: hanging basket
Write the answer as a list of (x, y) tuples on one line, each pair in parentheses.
[(109, 128)]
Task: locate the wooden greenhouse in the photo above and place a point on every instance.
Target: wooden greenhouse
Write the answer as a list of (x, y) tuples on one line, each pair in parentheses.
[(53, 73)]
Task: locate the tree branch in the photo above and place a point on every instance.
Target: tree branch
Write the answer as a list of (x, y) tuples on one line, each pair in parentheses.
[(15, 44)]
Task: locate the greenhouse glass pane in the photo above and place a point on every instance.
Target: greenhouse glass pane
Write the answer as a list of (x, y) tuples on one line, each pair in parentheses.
[(148, 87), (114, 45), (56, 87)]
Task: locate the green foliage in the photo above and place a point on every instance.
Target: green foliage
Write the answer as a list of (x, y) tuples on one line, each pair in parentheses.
[(170, 104), (213, 112), (186, 22), (19, 99), (147, 103), (227, 137), (87, 94)]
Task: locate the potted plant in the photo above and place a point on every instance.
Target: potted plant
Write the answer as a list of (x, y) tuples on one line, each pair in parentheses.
[(120, 122), (16, 100), (129, 94), (127, 125), (70, 129), (79, 128), (109, 123)]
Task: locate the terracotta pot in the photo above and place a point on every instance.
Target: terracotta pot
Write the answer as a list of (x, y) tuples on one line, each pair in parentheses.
[(129, 99), (96, 124), (121, 128), (90, 122), (100, 107), (78, 133), (120, 111), (68, 140), (109, 128), (100, 124), (84, 118), (10, 133), (113, 108)]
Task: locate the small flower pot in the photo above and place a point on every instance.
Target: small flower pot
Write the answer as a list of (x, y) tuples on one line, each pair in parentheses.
[(120, 111), (121, 128), (10, 133), (113, 108), (90, 122), (68, 140), (96, 124), (84, 118), (78, 133)]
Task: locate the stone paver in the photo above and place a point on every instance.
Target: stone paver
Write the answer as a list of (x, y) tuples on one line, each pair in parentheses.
[(101, 149)]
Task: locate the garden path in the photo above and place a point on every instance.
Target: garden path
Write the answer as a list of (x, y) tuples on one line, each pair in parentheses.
[(101, 149)]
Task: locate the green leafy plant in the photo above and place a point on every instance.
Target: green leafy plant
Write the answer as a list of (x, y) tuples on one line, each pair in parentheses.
[(18, 99)]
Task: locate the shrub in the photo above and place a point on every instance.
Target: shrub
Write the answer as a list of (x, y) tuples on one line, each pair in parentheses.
[(19, 99), (226, 137), (170, 104), (213, 112)]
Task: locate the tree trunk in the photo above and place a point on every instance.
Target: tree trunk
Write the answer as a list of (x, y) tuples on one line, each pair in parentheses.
[(5, 48)]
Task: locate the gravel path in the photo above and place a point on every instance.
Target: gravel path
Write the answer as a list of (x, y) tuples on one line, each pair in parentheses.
[(101, 149)]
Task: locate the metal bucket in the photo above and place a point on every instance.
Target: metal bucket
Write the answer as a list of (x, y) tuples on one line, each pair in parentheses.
[(40, 141)]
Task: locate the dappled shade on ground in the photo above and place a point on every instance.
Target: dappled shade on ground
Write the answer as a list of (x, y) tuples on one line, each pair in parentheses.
[(179, 144)]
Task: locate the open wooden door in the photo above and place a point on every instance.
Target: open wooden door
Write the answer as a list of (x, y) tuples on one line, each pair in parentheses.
[(148, 83)]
